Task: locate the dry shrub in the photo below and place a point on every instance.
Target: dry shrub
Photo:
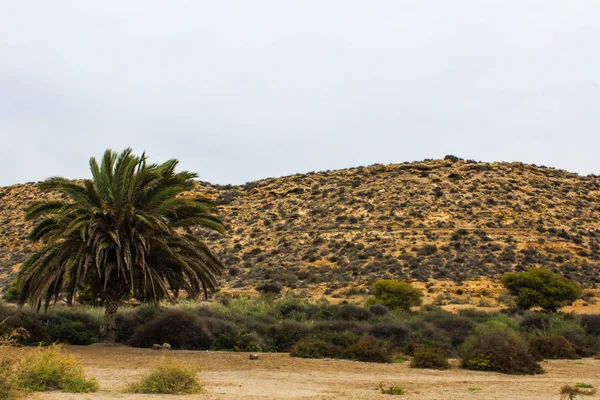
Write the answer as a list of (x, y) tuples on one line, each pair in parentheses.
[(169, 377), (498, 348), (8, 360), (430, 356), (552, 347), (50, 368), (572, 392)]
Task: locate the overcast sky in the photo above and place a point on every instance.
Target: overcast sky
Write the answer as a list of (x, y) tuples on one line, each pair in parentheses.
[(249, 89)]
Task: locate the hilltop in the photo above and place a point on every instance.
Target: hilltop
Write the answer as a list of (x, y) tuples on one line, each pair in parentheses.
[(336, 231)]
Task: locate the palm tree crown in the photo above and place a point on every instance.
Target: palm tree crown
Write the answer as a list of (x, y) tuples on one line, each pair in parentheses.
[(126, 231)]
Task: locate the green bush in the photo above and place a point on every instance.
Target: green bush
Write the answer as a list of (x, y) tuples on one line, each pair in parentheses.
[(498, 348), (49, 368), (430, 356), (71, 327), (552, 347), (395, 295), (12, 293), (542, 288), (168, 377)]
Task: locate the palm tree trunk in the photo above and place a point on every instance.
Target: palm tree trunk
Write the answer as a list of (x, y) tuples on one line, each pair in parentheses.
[(108, 328)]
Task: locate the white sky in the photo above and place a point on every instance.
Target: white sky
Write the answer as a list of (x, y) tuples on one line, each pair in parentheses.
[(244, 90)]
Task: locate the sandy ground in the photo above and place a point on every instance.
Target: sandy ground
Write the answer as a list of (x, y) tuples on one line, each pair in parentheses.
[(278, 376)]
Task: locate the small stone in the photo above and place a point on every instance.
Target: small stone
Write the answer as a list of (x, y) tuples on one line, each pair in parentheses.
[(254, 356)]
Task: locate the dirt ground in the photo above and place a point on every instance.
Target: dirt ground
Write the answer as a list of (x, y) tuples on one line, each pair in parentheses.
[(278, 376)]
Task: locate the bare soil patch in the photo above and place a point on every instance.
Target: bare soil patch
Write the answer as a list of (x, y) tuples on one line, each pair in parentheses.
[(278, 376)]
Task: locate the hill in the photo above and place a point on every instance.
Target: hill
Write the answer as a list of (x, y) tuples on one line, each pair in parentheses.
[(335, 231)]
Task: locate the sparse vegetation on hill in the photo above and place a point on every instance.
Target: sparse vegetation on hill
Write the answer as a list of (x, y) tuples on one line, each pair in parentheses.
[(338, 231)]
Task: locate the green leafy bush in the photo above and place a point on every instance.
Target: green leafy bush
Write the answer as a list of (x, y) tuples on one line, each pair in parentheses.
[(541, 287), (50, 368), (395, 295), (430, 356), (71, 327), (552, 347), (169, 377), (498, 348)]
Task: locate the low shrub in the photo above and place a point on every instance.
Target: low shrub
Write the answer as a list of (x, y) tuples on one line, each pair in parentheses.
[(498, 348), (8, 361), (349, 312), (128, 321), (50, 368), (282, 336), (591, 323), (180, 329), (344, 345), (12, 292), (169, 377), (378, 310), (392, 390), (457, 328), (246, 341), (71, 327), (312, 347), (422, 332), (339, 326), (535, 321), (430, 356), (569, 327), (13, 320), (552, 347), (270, 288), (397, 333), (569, 392), (368, 349)]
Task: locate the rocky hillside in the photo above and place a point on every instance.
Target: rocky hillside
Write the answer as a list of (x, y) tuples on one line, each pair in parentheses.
[(335, 231)]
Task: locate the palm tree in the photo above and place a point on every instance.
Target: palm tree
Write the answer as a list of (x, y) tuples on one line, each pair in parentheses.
[(126, 232)]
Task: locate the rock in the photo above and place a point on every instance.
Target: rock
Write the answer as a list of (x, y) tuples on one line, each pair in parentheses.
[(254, 356)]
